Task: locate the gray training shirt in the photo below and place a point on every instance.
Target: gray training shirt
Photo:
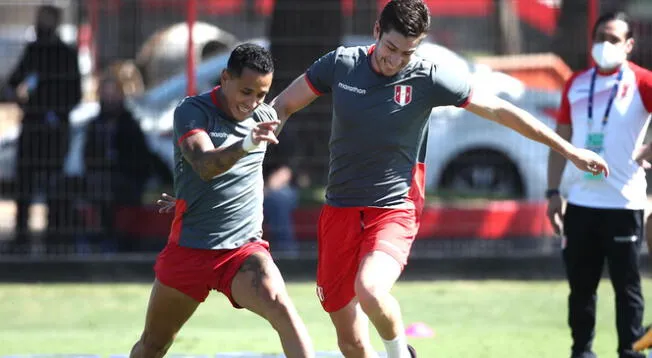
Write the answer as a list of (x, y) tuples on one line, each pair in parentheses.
[(227, 211), (380, 124)]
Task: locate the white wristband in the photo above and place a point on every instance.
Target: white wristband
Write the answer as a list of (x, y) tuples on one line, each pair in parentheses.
[(248, 143)]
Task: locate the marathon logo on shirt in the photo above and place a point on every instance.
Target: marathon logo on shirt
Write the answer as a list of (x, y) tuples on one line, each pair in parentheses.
[(351, 88), (218, 135), (402, 95)]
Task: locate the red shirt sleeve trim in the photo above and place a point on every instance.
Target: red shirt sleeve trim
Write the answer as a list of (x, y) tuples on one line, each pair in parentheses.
[(312, 87), (564, 113), (189, 133), (644, 83), (468, 100)]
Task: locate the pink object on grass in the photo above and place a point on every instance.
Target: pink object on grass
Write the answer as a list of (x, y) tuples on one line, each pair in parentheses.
[(419, 330)]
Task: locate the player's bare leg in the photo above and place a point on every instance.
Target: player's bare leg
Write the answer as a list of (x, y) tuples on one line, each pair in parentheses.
[(376, 276), (167, 311), (352, 327), (259, 287)]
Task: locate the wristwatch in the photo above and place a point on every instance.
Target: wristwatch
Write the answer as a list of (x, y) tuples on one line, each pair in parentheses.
[(551, 192)]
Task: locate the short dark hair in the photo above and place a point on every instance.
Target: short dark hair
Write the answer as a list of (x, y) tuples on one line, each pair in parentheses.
[(250, 56), (410, 18), (610, 16), (51, 10)]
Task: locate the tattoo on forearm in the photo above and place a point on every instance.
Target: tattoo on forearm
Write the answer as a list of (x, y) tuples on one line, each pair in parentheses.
[(256, 265), (224, 160), (210, 164)]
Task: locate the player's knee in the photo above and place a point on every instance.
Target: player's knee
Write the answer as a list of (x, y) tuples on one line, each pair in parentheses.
[(275, 304), (368, 295), (581, 295), (351, 347)]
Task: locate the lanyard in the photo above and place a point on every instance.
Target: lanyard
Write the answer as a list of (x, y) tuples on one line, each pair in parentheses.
[(612, 96)]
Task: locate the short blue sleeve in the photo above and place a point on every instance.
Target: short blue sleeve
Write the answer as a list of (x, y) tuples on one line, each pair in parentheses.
[(321, 73), (451, 87)]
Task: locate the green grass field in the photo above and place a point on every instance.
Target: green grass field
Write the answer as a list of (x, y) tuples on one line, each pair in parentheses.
[(470, 318)]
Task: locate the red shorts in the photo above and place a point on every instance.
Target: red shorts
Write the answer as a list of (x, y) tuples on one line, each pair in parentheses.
[(347, 235), (197, 271)]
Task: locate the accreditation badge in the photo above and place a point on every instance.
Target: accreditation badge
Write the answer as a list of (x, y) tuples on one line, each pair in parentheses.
[(595, 143)]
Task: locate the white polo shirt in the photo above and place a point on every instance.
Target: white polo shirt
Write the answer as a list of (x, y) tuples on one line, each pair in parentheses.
[(625, 188)]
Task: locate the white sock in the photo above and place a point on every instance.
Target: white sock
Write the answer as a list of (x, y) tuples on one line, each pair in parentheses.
[(397, 347)]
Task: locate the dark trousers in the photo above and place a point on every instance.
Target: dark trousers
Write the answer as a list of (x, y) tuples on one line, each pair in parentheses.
[(42, 148), (591, 236)]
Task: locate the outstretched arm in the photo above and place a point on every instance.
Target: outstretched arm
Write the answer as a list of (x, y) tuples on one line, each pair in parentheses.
[(294, 97), (500, 111), (316, 81), (208, 161)]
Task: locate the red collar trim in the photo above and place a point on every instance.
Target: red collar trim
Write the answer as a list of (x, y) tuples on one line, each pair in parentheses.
[(370, 58), (216, 102)]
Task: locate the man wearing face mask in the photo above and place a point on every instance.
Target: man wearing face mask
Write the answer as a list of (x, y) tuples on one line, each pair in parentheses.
[(606, 109), (46, 84)]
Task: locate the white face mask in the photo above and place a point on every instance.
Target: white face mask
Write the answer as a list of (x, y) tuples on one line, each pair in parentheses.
[(607, 55)]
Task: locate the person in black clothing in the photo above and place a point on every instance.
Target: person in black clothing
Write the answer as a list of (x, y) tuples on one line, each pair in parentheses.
[(47, 85), (118, 161)]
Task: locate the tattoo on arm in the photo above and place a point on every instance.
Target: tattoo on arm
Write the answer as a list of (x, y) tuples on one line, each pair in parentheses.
[(213, 162), (256, 265)]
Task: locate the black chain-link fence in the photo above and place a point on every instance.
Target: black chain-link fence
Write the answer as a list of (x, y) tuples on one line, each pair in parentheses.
[(62, 191)]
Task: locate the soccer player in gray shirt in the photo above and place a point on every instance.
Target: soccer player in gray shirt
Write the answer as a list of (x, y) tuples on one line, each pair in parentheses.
[(382, 98), (215, 242)]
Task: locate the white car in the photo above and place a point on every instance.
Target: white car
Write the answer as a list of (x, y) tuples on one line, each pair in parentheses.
[(466, 155), (471, 156)]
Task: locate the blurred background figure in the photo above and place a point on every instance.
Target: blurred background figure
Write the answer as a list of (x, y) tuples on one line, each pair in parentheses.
[(118, 162), (281, 194), (46, 85)]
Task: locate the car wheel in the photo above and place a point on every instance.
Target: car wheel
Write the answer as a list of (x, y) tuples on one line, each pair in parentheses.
[(481, 174)]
